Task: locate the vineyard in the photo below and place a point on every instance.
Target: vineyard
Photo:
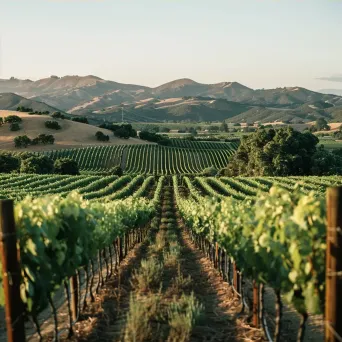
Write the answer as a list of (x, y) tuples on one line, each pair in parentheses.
[(160, 249), (151, 159)]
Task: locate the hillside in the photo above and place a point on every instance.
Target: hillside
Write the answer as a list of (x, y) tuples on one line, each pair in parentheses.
[(182, 99), (10, 101), (187, 108), (72, 134)]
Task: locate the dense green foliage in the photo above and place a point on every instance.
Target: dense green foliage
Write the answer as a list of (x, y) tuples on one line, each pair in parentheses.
[(9, 162), (278, 241), (70, 233), (37, 164), (66, 166), (279, 152)]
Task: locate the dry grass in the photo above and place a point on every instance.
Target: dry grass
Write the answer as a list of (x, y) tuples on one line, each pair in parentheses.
[(73, 134), (138, 326), (183, 314), (148, 276)]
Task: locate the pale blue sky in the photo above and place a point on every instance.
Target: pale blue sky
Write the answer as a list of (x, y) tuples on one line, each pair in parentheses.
[(260, 43)]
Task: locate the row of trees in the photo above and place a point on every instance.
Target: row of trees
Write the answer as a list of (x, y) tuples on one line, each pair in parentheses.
[(124, 131), (24, 140), (282, 152), (153, 137), (30, 163)]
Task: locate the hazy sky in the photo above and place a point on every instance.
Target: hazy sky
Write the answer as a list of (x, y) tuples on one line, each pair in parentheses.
[(260, 43)]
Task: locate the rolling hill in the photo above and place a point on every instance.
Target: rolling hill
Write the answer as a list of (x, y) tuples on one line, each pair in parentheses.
[(10, 101), (73, 134)]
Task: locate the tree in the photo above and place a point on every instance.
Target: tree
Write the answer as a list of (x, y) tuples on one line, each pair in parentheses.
[(22, 141), (34, 164), (9, 162), (278, 152), (153, 137), (13, 118), (101, 136), (320, 125), (46, 139), (52, 125), (122, 133), (58, 115), (224, 127), (326, 163), (14, 126), (66, 166)]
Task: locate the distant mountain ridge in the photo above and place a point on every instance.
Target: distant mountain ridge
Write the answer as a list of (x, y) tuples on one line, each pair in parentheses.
[(10, 101), (93, 96)]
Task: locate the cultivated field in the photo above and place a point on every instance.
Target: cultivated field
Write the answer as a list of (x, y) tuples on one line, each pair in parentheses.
[(166, 253)]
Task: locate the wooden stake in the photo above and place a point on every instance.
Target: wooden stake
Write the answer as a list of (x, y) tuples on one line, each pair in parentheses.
[(255, 304), (14, 307), (333, 279)]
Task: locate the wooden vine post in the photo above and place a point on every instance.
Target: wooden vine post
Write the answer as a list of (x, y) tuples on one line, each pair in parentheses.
[(14, 307), (333, 294), (74, 297), (256, 309)]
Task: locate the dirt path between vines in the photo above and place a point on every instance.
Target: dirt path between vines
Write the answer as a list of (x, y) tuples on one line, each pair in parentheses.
[(107, 319)]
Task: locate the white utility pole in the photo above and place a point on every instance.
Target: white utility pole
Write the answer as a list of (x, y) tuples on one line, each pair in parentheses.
[(122, 115)]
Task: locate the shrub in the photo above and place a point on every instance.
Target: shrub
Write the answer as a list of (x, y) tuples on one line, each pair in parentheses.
[(183, 314), (149, 275), (22, 141), (66, 166), (13, 118), (14, 126), (52, 125), (101, 136), (41, 164), (138, 326)]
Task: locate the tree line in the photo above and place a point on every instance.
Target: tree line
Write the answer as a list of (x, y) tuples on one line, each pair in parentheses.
[(31, 163), (283, 152)]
